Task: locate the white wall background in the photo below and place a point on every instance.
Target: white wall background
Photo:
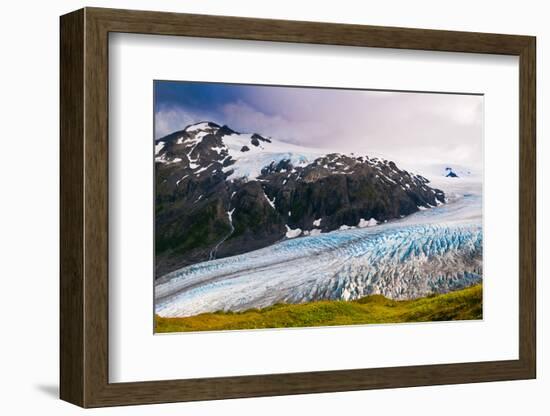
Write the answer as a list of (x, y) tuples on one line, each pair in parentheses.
[(29, 206)]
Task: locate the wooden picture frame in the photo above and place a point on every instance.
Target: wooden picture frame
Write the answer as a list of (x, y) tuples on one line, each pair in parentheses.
[(84, 207)]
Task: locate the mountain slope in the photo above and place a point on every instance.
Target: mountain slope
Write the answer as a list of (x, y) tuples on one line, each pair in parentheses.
[(220, 193)]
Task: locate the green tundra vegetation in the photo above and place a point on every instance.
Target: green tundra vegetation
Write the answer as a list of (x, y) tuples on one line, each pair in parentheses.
[(464, 304)]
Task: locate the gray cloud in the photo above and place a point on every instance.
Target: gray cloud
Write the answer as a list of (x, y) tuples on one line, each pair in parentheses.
[(412, 127)]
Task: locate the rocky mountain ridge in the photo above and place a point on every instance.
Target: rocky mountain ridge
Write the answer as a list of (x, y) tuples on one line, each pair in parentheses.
[(220, 193)]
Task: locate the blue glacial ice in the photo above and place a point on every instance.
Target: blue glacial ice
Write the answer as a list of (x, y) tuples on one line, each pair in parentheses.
[(432, 251)]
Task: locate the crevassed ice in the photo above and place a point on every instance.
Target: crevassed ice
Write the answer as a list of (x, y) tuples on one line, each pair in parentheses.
[(432, 251)]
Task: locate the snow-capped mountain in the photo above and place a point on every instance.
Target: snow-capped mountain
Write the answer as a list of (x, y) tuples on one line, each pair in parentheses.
[(450, 173), (221, 193)]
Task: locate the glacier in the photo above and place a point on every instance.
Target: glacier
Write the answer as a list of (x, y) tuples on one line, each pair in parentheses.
[(249, 164), (436, 250)]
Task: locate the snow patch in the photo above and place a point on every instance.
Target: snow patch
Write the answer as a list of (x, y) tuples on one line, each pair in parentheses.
[(292, 233), (164, 160), (346, 227), (201, 169), (218, 150), (230, 215), (272, 203), (158, 147), (199, 126), (200, 135), (249, 165), (179, 180), (370, 223)]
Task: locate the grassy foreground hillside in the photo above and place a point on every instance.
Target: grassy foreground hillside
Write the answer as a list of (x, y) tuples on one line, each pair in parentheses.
[(459, 305)]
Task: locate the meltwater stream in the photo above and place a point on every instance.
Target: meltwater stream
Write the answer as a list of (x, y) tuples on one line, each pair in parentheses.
[(431, 251)]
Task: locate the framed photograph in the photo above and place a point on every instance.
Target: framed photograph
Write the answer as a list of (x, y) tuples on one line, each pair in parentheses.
[(256, 207)]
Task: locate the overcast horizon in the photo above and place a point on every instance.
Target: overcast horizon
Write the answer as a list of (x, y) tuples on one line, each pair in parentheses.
[(407, 126)]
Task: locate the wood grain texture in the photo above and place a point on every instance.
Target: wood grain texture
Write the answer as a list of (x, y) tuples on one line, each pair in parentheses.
[(96, 218), (84, 207), (227, 27), (71, 185), (527, 208)]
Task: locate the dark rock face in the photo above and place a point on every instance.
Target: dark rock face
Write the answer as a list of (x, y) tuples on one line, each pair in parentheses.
[(449, 173), (341, 190), (256, 137), (203, 212)]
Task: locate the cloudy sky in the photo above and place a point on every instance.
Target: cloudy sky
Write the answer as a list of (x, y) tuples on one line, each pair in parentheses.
[(406, 126)]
